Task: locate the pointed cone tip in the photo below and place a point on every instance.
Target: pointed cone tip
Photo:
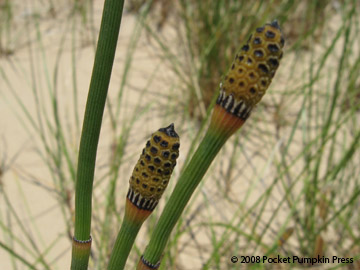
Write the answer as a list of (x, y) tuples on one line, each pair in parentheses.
[(170, 131), (275, 24)]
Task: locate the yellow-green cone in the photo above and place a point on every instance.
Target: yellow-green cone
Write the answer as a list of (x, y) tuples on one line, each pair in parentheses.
[(152, 172), (148, 182), (249, 77)]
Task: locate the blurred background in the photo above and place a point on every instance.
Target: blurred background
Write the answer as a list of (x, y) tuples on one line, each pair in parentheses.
[(286, 184)]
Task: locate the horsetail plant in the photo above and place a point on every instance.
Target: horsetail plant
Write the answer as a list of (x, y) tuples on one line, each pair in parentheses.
[(242, 88), (147, 183), (100, 78)]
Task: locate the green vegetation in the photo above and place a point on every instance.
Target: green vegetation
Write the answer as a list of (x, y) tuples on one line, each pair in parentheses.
[(286, 184)]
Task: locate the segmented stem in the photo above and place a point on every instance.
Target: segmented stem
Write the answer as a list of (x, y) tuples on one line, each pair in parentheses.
[(100, 78)]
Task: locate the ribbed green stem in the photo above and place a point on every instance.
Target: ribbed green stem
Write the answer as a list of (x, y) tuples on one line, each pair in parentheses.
[(104, 58), (185, 187), (123, 244)]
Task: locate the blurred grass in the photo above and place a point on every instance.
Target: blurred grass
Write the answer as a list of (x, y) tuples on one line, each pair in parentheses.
[(287, 183)]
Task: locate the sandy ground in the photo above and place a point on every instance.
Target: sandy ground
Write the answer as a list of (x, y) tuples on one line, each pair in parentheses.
[(24, 177)]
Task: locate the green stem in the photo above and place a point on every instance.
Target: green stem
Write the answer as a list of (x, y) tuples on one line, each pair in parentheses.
[(189, 180), (123, 244), (104, 58)]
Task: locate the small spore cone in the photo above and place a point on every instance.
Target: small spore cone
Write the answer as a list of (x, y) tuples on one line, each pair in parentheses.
[(154, 168), (252, 70)]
